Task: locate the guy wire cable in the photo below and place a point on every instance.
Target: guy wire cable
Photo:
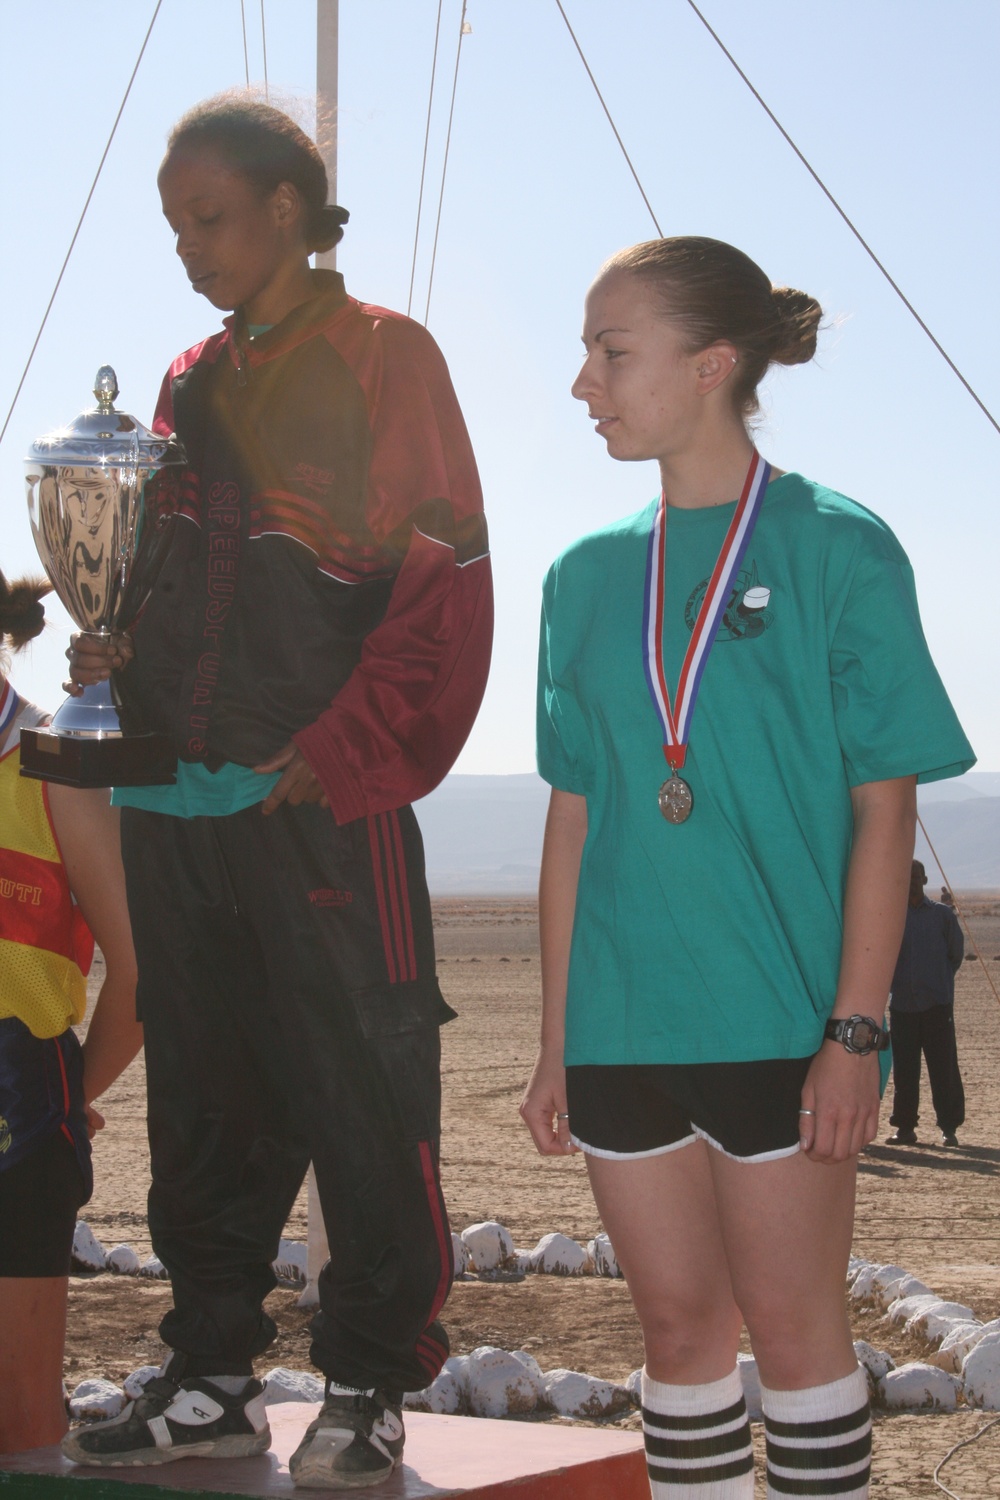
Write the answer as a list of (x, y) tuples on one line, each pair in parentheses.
[(953, 1450), (463, 30), (854, 230), (423, 164), (962, 916), (611, 122), (263, 41), (246, 55), (79, 225)]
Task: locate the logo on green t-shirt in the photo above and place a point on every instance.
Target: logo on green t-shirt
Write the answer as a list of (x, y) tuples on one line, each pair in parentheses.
[(747, 613)]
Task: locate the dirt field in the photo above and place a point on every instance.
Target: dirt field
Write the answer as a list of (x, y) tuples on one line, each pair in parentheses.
[(934, 1211)]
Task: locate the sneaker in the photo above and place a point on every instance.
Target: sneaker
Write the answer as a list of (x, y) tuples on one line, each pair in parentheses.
[(355, 1441), (183, 1417), (902, 1138), (949, 1138)]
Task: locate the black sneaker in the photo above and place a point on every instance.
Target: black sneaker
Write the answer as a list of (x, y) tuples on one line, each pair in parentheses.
[(949, 1138), (355, 1441), (902, 1137), (185, 1417)]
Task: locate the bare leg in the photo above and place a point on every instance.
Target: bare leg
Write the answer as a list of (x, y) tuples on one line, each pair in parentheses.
[(32, 1338), (787, 1228), (660, 1213)]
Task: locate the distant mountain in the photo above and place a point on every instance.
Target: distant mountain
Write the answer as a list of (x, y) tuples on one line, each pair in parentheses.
[(483, 834)]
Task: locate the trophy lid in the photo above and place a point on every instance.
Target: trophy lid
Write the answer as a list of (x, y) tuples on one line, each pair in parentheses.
[(102, 436)]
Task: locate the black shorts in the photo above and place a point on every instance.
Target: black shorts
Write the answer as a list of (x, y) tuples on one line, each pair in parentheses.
[(39, 1199), (747, 1110)]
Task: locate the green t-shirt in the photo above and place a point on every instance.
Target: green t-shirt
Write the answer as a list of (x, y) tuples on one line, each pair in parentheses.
[(719, 939)]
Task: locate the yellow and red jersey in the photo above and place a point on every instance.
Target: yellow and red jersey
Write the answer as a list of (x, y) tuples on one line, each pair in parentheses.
[(46, 947)]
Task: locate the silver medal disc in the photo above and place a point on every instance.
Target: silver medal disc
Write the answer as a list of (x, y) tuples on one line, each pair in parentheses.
[(676, 800)]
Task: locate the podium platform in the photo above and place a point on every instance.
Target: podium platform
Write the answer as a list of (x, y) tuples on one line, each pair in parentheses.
[(444, 1456)]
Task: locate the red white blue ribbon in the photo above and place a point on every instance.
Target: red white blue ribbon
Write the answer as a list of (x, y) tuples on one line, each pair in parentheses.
[(675, 719), (8, 709)]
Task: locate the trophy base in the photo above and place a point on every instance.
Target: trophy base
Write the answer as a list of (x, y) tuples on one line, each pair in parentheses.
[(71, 760)]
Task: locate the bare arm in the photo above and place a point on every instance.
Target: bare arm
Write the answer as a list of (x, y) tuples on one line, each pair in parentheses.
[(87, 829), (843, 1089), (545, 1096)]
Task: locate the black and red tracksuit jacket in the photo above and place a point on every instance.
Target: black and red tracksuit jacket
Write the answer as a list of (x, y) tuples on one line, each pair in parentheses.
[(328, 578)]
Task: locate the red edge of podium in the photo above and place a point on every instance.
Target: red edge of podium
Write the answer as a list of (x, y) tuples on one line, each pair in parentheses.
[(470, 1457)]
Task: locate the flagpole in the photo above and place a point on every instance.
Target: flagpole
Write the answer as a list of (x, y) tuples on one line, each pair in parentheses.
[(327, 47)]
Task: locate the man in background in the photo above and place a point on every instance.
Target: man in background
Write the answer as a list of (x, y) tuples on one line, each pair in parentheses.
[(922, 1016)]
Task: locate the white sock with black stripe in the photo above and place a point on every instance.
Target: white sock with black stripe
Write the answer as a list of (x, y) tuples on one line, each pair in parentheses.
[(697, 1440), (819, 1441)]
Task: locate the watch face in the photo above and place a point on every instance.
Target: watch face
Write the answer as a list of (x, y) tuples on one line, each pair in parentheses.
[(863, 1035)]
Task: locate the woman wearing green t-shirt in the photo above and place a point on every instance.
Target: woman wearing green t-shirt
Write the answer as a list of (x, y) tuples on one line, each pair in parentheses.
[(719, 931)]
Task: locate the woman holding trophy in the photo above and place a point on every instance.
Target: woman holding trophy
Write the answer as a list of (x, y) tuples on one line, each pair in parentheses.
[(62, 887), (316, 646)]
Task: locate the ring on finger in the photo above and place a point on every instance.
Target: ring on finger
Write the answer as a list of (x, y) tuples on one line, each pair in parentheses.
[(807, 1112)]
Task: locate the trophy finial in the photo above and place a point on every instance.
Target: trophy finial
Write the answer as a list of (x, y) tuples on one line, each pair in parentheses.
[(106, 388)]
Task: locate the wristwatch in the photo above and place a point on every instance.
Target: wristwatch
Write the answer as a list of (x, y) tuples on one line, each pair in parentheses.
[(858, 1034)]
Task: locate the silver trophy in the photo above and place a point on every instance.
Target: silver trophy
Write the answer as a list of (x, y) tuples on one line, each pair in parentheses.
[(102, 498)]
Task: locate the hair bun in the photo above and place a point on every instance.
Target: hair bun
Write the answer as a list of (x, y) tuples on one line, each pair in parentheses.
[(326, 227), (799, 318), (22, 615)]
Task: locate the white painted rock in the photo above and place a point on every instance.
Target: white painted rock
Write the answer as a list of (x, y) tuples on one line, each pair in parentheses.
[(634, 1387), (291, 1261), (603, 1255), (500, 1385), (558, 1255), (154, 1269), (572, 1394), (885, 1280), (875, 1361), (961, 1337), (490, 1246), (96, 1401), (136, 1383), (747, 1366), (905, 1308), (88, 1252), (905, 1289), (460, 1251), (309, 1296), (291, 1385), (981, 1373), (863, 1283), (522, 1262), (123, 1261), (920, 1387), (527, 1359), (911, 1286), (445, 1396), (937, 1321)]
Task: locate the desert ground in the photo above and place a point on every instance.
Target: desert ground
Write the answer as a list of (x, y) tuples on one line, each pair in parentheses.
[(932, 1210)]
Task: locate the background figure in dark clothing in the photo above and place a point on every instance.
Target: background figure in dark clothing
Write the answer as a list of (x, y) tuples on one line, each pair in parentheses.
[(922, 1011)]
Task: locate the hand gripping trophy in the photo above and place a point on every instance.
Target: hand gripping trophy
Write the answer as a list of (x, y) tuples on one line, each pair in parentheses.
[(102, 498)]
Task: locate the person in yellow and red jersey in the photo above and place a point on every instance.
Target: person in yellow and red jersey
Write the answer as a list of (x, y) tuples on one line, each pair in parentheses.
[(61, 886)]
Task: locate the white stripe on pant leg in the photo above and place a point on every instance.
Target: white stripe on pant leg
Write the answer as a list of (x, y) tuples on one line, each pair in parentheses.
[(697, 1440), (819, 1440)]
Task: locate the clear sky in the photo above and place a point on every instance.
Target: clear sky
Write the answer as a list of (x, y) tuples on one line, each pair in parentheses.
[(894, 102)]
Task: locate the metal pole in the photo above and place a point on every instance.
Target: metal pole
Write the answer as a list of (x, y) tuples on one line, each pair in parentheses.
[(327, 38)]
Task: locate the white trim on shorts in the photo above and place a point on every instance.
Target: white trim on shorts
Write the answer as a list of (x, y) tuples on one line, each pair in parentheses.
[(688, 1140)]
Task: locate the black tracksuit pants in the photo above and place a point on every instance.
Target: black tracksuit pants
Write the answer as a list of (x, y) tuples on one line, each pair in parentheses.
[(932, 1033), (291, 1013)]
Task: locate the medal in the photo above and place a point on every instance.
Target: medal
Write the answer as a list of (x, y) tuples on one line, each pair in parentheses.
[(676, 800), (675, 797)]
